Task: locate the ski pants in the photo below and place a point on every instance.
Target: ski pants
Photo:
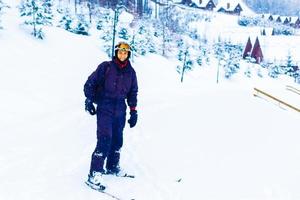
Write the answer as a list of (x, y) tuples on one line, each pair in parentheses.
[(109, 140)]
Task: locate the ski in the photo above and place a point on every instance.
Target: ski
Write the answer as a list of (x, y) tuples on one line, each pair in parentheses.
[(121, 175), (102, 190), (94, 187), (110, 195), (126, 176)]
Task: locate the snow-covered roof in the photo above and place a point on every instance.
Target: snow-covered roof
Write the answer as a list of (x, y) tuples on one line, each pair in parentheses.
[(232, 5), (285, 19), (266, 15), (177, 1), (276, 16), (203, 4), (294, 19)]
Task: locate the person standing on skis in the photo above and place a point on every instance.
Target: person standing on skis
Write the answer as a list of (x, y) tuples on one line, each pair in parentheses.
[(109, 86)]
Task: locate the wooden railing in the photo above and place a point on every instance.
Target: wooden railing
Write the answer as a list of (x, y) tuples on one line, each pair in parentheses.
[(258, 91)]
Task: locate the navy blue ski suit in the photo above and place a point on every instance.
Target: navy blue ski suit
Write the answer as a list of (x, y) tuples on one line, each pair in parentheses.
[(109, 86)]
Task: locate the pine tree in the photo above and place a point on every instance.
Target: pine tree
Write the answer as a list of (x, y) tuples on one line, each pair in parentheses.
[(273, 70), (66, 20), (100, 24), (232, 65), (83, 25), (35, 15), (187, 64), (235, 55), (48, 14), (107, 37), (220, 55), (104, 25), (2, 5), (123, 34), (297, 76), (289, 69), (202, 55), (141, 41)]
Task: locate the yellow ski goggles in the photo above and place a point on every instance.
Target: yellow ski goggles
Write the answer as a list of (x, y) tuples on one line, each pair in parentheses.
[(123, 47)]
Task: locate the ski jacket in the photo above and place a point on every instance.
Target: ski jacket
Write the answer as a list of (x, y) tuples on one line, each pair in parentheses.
[(109, 85)]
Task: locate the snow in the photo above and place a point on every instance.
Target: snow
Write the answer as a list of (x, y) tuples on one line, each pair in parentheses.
[(193, 140)]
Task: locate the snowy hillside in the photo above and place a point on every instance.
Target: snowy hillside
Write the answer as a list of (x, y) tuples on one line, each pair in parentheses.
[(226, 27), (193, 140)]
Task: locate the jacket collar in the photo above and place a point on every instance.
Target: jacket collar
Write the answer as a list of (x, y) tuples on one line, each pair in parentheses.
[(125, 67), (119, 63)]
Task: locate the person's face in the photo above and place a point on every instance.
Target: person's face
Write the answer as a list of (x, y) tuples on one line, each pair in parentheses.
[(122, 55)]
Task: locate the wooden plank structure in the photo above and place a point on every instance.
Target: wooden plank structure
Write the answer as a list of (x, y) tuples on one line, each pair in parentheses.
[(258, 92)]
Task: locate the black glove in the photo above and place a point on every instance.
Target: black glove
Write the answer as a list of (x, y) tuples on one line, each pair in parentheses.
[(133, 118), (89, 106)]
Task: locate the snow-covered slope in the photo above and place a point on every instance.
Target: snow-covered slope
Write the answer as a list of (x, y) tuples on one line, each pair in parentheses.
[(196, 140), (225, 27)]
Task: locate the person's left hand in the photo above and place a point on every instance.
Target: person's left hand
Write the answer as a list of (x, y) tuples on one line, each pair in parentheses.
[(133, 118)]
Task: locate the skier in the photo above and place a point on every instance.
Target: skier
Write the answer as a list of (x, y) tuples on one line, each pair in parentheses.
[(108, 87)]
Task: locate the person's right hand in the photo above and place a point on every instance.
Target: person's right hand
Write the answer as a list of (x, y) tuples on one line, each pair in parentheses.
[(89, 106)]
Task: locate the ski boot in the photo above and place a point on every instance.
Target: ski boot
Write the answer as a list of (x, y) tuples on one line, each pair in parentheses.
[(95, 181)]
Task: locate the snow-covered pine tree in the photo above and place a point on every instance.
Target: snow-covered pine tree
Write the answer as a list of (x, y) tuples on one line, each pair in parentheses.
[(60, 8), (34, 13), (151, 40), (123, 34), (234, 53), (274, 70), (181, 49), (289, 66), (1, 12), (99, 24), (104, 18), (83, 25), (184, 57), (107, 46), (48, 14), (297, 76), (250, 63), (202, 55), (187, 64), (132, 45), (140, 40), (232, 65), (259, 73), (219, 50), (66, 20)]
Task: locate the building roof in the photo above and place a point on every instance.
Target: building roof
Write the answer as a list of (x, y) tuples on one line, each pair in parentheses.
[(266, 15), (233, 3), (203, 4), (294, 19)]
